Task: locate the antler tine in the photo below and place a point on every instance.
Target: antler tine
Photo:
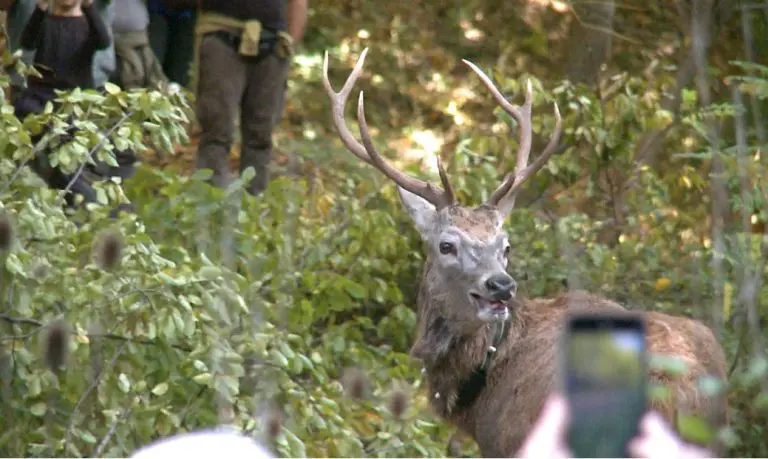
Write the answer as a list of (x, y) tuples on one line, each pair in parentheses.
[(504, 196), (367, 152), (521, 114), (450, 196), (440, 198), (513, 110), (339, 100), (513, 183)]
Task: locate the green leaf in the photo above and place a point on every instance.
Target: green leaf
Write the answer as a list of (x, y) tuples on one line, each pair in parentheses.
[(209, 273), (34, 388), (694, 429), (160, 389), (710, 386), (202, 175), (355, 290), (658, 392), (761, 402), (203, 379), (200, 365), (248, 174), (669, 364), (168, 279), (38, 409), (123, 383), (278, 358), (87, 437), (757, 371)]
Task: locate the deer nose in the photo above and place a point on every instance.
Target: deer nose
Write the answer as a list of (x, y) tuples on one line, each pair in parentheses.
[(501, 286)]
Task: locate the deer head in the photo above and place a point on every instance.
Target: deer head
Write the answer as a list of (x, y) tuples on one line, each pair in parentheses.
[(468, 249)]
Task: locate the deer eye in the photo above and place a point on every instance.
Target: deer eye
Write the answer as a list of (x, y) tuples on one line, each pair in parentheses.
[(446, 248)]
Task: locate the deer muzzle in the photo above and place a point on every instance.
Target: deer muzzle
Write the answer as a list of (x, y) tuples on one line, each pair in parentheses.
[(494, 297), (501, 287)]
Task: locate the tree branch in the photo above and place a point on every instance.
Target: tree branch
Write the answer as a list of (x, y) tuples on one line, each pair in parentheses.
[(111, 432), (110, 336), (85, 395), (96, 147), (701, 39)]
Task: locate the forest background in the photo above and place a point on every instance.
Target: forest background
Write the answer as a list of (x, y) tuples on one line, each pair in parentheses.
[(213, 306)]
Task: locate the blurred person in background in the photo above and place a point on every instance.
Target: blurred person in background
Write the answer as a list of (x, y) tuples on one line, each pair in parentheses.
[(18, 14), (103, 65), (137, 66), (243, 48), (65, 35), (172, 36)]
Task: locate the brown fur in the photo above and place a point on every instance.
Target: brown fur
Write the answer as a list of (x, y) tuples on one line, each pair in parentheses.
[(522, 373), (481, 222)]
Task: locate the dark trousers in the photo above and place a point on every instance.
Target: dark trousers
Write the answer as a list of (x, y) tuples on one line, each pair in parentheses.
[(227, 81), (32, 100), (173, 41)]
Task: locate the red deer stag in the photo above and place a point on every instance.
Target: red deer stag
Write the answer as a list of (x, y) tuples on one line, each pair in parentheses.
[(489, 357)]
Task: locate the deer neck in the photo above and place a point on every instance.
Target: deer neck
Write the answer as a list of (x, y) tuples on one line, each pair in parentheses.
[(457, 357)]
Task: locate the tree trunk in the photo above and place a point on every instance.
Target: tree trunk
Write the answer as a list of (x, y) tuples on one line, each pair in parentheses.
[(590, 41)]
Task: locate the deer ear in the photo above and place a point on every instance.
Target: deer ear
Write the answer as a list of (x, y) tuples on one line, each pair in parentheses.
[(421, 211)]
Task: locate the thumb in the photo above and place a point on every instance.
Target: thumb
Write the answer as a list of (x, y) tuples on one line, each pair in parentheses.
[(554, 417), (549, 430)]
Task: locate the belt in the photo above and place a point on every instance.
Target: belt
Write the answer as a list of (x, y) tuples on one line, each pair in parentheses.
[(267, 39)]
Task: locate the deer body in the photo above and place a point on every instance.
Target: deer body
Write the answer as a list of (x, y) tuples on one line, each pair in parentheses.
[(490, 359), (523, 371)]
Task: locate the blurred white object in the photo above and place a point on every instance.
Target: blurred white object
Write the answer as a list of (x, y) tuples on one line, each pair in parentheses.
[(208, 443), (173, 87)]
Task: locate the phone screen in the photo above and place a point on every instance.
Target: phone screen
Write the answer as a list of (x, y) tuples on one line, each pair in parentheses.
[(605, 374)]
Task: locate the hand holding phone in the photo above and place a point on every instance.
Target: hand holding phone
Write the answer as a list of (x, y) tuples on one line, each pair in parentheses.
[(603, 378), (656, 440)]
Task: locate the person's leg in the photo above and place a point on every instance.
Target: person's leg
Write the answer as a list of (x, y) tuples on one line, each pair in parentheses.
[(158, 35), (221, 79), (262, 105), (25, 102), (181, 48), (33, 101), (75, 183), (78, 185)]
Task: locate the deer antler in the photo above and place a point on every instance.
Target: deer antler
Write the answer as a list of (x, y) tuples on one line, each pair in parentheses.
[(504, 196), (367, 152)]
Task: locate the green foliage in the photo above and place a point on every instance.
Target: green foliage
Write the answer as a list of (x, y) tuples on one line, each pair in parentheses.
[(756, 85), (174, 329)]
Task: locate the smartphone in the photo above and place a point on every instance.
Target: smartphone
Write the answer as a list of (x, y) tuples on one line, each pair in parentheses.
[(603, 377)]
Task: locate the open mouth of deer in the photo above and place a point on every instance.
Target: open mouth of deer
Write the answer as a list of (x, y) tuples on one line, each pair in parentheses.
[(490, 307)]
